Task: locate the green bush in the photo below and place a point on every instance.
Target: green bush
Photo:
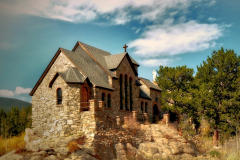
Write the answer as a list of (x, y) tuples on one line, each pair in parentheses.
[(214, 153)]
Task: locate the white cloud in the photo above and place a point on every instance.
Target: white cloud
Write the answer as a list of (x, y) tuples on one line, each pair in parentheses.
[(87, 10), (169, 39), (155, 62), (122, 18), (212, 19), (6, 93), (20, 90)]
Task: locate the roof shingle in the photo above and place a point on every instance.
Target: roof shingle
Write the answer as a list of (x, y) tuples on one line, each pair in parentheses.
[(72, 75), (149, 84), (88, 67)]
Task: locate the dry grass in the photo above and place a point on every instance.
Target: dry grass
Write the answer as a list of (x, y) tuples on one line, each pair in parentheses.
[(16, 143), (132, 125), (228, 151)]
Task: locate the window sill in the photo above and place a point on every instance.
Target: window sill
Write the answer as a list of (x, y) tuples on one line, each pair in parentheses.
[(59, 105)]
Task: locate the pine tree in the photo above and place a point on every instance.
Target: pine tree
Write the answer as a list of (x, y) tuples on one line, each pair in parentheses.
[(217, 94), (176, 84)]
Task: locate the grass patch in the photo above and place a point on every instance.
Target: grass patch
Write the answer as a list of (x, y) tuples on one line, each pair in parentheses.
[(215, 154), (16, 143)]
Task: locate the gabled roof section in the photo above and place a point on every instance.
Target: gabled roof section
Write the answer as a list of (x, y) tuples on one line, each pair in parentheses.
[(90, 62), (149, 84), (97, 55), (88, 67), (113, 61), (72, 75), (143, 94)]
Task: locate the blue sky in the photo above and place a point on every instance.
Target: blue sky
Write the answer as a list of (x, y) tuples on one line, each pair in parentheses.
[(158, 32)]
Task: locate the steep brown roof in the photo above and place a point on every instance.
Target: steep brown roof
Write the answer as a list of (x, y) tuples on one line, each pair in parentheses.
[(88, 67), (91, 62), (72, 75), (97, 55), (113, 61), (149, 84)]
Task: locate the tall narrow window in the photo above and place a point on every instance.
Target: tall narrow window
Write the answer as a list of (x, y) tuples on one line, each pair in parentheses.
[(146, 107), (142, 107), (109, 101), (103, 99), (121, 93), (126, 93), (59, 96), (131, 96)]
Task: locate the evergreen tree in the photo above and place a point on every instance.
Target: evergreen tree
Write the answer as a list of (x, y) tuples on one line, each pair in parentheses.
[(2, 122), (176, 84), (217, 95)]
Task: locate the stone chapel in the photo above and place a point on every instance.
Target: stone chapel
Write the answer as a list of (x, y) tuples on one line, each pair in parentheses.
[(78, 85)]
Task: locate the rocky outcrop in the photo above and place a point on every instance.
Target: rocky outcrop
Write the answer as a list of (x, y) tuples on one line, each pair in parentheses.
[(162, 142), (11, 156), (166, 144), (68, 147)]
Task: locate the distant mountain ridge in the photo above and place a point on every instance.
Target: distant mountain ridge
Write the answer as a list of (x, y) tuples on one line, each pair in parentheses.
[(8, 103)]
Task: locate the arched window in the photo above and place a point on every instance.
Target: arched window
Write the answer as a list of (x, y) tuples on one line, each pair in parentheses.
[(121, 93), (131, 96), (146, 107), (103, 98), (142, 107), (59, 96), (126, 93), (109, 101)]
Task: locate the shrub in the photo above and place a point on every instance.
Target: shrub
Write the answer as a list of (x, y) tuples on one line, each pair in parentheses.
[(132, 125), (214, 153)]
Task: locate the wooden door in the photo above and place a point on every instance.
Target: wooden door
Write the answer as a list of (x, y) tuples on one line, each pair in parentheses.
[(85, 97)]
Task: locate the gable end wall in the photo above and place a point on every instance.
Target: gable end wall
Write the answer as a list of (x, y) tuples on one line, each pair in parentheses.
[(48, 118)]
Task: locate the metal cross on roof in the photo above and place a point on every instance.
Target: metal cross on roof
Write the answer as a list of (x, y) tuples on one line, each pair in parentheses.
[(125, 47)]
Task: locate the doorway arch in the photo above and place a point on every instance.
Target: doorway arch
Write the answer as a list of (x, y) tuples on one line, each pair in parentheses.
[(155, 114)]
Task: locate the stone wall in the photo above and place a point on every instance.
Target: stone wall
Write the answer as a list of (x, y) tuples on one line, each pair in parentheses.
[(125, 69), (156, 99), (51, 120), (48, 117)]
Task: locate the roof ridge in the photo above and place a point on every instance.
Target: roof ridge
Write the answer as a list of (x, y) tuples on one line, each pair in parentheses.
[(95, 59), (94, 47)]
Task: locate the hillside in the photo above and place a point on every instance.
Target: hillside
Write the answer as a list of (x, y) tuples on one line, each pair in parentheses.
[(7, 103)]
